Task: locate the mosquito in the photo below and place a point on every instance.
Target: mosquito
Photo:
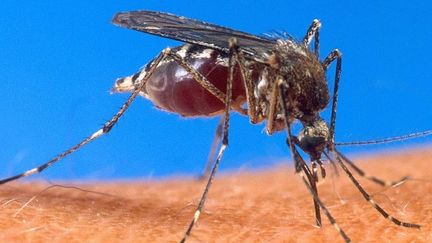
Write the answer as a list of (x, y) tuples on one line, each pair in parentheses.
[(274, 79)]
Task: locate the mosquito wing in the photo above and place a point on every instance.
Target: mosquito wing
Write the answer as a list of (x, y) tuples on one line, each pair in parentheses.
[(195, 32)]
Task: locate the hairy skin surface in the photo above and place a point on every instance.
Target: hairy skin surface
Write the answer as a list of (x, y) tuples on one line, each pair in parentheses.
[(267, 206)]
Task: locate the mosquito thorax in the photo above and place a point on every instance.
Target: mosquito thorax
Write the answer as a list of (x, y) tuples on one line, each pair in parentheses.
[(314, 137), (304, 75)]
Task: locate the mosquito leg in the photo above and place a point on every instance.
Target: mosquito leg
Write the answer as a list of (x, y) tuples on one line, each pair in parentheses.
[(323, 171), (249, 84), (211, 156), (205, 83), (335, 54), (307, 179), (316, 44), (368, 197), (311, 176), (370, 177), (314, 171), (313, 31), (271, 116), (313, 179), (298, 160), (274, 101), (104, 130), (231, 65), (201, 79)]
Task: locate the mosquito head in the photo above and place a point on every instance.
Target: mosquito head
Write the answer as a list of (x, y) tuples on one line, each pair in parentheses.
[(314, 137)]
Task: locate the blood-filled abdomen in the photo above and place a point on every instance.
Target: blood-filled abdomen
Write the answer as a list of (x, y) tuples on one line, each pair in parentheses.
[(173, 89)]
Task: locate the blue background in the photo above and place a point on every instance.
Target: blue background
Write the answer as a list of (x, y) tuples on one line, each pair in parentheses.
[(59, 59)]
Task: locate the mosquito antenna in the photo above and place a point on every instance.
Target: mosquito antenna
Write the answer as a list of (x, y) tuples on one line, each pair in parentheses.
[(387, 140)]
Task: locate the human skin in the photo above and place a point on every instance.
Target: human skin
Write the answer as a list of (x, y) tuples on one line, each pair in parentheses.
[(266, 206)]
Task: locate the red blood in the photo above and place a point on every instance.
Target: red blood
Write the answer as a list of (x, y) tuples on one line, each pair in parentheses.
[(173, 89)]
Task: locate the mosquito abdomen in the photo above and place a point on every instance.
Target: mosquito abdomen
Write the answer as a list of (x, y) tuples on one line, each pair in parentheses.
[(174, 89)]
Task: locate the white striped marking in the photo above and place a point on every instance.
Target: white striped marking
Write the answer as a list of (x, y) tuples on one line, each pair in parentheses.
[(196, 216), (31, 172), (99, 133)]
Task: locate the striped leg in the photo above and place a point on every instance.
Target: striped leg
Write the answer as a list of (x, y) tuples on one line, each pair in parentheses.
[(312, 179), (298, 160), (367, 196), (211, 156), (322, 169), (232, 61), (306, 177), (334, 55), (104, 130), (313, 31), (326, 212), (337, 55), (370, 177)]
